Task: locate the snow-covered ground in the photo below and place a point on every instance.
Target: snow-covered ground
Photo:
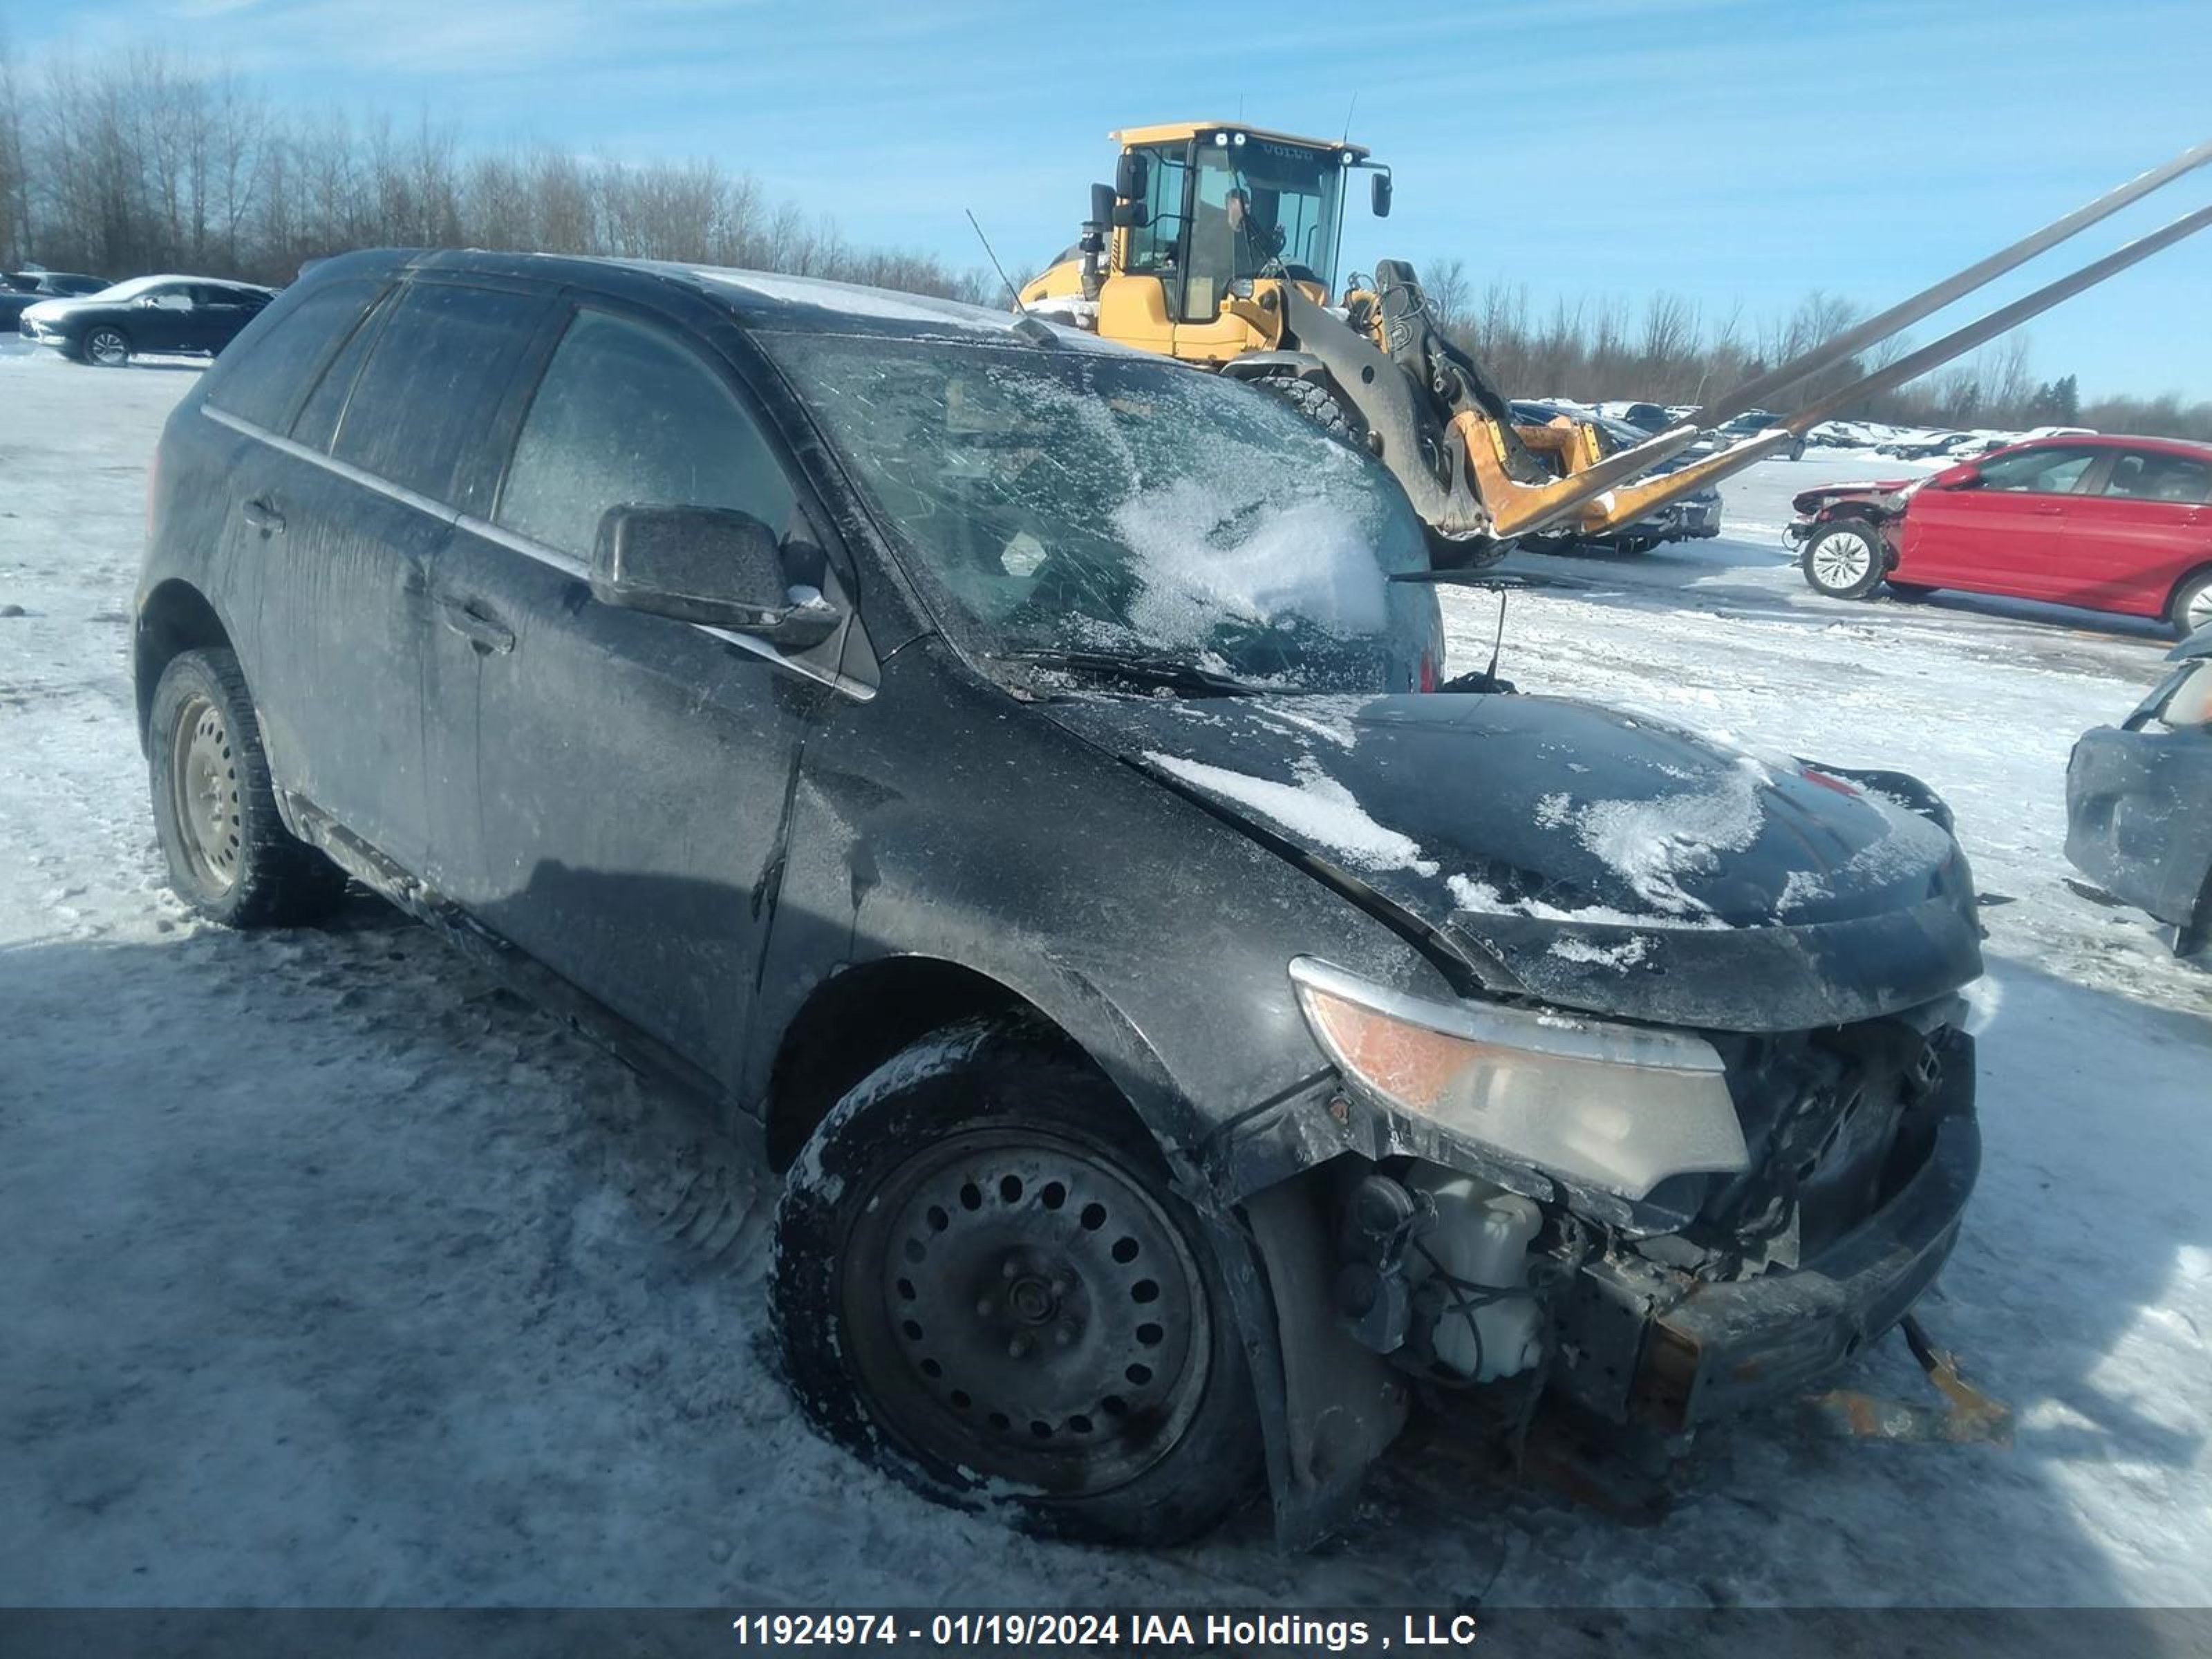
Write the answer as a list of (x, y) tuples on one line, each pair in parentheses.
[(333, 1275)]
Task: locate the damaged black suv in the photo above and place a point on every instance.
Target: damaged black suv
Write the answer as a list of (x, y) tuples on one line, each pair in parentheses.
[(1007, 775)]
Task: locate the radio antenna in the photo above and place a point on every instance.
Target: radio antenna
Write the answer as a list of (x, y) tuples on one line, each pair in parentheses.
[(1348, 110), (995, 265)]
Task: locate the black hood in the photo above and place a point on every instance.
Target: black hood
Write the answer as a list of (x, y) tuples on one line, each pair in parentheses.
[(1590, 858)]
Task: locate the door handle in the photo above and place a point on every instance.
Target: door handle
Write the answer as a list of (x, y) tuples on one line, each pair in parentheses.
[(493, 638), (262, 516)]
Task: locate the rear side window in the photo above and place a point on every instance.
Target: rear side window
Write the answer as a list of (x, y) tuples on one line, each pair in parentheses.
[(2156, 475), (440, 361), (265, 383), (627, 415), (317, 423)]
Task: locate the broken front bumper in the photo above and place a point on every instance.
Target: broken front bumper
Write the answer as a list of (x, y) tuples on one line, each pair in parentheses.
[(1723, 1348)]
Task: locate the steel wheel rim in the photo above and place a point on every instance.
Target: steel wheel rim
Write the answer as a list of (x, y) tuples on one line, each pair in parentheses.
[(1843, 560), (204, 795), (2198, 611), (1019, 1305), (106, 348)]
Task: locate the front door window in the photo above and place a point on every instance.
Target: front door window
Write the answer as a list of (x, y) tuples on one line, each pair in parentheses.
[(2037, 472)]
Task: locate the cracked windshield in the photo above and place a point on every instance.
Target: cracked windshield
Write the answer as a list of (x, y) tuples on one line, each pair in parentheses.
[(1054, 500)]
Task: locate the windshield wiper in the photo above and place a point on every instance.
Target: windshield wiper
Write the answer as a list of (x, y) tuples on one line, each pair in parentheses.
[(1167, 672)]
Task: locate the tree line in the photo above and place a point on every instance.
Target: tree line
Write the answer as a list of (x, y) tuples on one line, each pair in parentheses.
[(149, 163), (152, 162)]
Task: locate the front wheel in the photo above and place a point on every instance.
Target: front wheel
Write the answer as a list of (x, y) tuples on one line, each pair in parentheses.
[(105, 348), (1844, 560), (1318, 403), (984, 1284)]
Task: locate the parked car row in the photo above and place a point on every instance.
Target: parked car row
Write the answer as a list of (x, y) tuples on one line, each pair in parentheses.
[(20, 289), (189, 315), (1651, 419)]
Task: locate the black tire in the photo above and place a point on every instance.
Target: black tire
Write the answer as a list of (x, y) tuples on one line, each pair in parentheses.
[(1796, 450), (2192, 605), (1318, 403), (105, 347), (1845, 560), (228, 852), (982, 1158)]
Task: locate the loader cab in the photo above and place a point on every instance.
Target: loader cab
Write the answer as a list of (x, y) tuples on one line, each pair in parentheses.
[(1209, 213)]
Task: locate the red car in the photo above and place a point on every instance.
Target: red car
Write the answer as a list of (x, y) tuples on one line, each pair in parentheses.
[(2109, 524)]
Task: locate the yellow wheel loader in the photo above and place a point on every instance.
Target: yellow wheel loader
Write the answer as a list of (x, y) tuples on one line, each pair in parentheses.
[(1218, 243)]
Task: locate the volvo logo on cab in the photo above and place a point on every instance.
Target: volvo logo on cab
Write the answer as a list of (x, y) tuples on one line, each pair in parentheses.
[(1425, 1630)]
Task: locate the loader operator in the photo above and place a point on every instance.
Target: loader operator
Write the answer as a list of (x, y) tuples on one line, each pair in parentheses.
[(1232, 238)]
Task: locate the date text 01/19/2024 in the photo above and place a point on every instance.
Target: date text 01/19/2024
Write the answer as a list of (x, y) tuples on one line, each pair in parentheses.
[(1130, 1630)]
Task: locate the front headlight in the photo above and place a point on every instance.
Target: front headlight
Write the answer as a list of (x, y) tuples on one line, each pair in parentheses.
[(1619, 1107), (2181, 701), (2189, 704)]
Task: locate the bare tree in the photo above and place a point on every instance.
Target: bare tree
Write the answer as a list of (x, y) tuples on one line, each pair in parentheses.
[(1449, 289), (15, 181)]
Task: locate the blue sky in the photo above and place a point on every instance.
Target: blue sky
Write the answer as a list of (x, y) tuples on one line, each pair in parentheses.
[(1730, 150)]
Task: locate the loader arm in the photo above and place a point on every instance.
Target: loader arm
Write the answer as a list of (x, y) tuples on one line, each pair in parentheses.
[(1627, 504), (1457, 466), (1840, 347)]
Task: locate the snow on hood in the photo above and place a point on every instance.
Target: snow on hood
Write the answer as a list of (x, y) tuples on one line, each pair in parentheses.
[(1313, 806), (1607, 861)]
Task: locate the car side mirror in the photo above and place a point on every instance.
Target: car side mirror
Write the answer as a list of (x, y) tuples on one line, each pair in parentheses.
[(705, 564), (1965, 476), (1132, 177), (1378, 195)]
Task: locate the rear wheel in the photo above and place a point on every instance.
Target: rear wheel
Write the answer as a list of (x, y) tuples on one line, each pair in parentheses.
[(214, 810), (984, 1284), (1844, 560), (105, 348), (2192, 604)]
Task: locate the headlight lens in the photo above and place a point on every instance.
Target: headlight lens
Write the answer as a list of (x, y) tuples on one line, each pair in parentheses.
[(1620, 1106), (2189, 703)]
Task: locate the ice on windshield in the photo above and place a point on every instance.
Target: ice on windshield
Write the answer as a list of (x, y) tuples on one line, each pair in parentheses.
[(1305, 558), (1056, 500)]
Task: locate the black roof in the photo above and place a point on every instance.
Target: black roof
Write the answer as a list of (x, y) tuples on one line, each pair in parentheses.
[(759, 300)]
